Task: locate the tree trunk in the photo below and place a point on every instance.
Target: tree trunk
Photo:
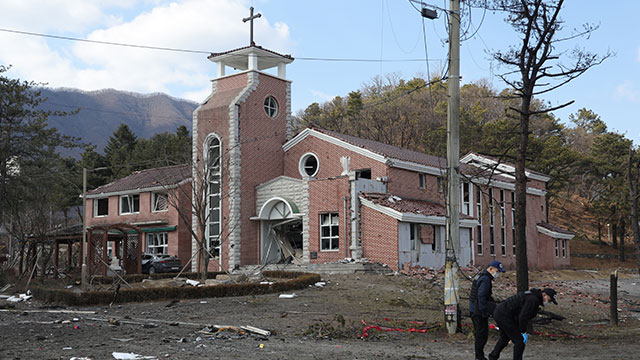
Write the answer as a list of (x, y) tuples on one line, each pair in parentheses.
[(204, 261), (614, 234), (622, 229), (633, 195), (599, 231), (522, 265)]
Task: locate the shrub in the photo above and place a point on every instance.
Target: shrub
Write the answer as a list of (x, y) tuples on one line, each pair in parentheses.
[(296, 281)]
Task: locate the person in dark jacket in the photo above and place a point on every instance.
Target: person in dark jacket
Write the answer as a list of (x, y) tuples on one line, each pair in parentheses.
[(513, 315), (481, 305)]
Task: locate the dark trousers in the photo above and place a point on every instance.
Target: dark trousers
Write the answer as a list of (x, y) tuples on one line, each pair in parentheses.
[(509, 330), (480, 333)]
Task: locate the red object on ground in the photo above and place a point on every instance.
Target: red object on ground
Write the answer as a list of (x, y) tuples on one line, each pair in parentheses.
[(384, 328)]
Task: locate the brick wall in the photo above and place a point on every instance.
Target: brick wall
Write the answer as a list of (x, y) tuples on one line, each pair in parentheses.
[(327, 197), (379, 237), (329, 158), (261, 139)]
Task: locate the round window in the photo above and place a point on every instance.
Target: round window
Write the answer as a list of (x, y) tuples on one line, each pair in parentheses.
[(271, 106), (309, 165)]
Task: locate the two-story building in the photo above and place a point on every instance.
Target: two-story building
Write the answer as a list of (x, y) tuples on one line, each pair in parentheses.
[(148, 211)]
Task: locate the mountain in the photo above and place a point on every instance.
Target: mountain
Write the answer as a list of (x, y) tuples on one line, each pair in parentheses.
[(102, 111)]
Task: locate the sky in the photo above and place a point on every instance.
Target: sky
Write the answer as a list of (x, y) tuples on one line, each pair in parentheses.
[(386, 36)]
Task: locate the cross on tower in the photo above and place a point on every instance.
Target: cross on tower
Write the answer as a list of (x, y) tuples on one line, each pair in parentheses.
[(250, 18)]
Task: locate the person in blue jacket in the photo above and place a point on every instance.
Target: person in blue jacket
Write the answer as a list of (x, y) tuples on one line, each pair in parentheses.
[(513, 315), (481, 305)]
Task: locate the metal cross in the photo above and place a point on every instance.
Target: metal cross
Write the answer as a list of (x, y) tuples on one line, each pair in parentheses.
[(250, 18)]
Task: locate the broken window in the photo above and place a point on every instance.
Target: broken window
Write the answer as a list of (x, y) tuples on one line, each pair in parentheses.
[(157, 243), (100, 207), (309, 165), (213, 171), (329, 234), (129, 204), (159, 201), (466, 198), (363, 174)]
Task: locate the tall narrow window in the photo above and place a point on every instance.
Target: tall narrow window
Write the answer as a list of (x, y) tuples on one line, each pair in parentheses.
[(479, 227), (513, 221), (492, 213), (557, 248), (466, 198), (422, 180), (503, 231), (213, 171), (413, 235), (564, 248), (329, 232)]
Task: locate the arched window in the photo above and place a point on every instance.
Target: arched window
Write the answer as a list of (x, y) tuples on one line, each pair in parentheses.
[(213, 170)]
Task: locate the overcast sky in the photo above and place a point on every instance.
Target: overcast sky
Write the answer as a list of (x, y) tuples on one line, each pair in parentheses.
[(328, 29)]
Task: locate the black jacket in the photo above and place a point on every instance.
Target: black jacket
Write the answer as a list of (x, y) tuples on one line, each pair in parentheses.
[(521, 307), (480, 299)]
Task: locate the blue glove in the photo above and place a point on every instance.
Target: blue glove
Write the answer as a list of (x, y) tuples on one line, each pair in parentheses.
[(525, 337)]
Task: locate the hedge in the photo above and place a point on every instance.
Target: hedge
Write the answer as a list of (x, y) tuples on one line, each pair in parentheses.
[(296, 281)]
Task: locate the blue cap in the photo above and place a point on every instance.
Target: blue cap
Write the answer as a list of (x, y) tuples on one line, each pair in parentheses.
[(498, 265)]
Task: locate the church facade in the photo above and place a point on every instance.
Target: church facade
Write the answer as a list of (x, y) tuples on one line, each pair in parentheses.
[(320, 196)]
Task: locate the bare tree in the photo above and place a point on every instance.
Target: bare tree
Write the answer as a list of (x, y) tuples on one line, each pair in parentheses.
[(535, 67)]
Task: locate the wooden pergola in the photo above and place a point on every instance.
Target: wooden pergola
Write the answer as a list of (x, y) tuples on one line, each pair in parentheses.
[(127, 239)]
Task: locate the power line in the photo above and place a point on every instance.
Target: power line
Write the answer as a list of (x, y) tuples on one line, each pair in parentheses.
[(160, 48)]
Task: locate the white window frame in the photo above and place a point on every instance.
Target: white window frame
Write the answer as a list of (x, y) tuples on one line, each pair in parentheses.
[(564, 248), (466, 198), (157, 241), (95, 207), (154, 201), (503, 220), (271, 106), (492, 234), (557, 248), (333, 225), (130, 200), (213, 178), (422, 180), (513, 221), (302, 165), (479, 242), (414, 235)]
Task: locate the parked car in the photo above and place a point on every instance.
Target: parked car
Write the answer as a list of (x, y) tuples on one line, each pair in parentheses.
[(152, 264)]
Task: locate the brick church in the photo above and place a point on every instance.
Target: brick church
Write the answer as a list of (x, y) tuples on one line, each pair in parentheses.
[(320, 196)]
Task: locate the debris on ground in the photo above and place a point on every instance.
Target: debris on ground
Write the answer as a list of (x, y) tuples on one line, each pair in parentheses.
[(130, 356), (192, 282), (287, 296)]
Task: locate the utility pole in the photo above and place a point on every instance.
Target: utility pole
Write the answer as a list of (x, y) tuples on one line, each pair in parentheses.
[(85, 248), (452, 242)]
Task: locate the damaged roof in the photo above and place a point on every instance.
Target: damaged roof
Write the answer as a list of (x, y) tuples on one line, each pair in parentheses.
[(168, 176), (411, 206)]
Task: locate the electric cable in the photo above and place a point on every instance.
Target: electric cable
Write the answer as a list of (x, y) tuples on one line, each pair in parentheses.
[(68, 38)]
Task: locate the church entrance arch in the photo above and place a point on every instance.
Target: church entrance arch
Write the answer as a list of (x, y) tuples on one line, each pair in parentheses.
[(280, 231)]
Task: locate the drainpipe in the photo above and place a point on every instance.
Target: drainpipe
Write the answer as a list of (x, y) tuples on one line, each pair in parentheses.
[(344, 220), (356, 251)]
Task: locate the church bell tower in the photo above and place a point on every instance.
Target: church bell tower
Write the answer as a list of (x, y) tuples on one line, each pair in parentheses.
[(238, 133)]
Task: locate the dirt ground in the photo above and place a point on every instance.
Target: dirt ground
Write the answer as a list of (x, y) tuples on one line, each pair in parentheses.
[(324, 323)]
